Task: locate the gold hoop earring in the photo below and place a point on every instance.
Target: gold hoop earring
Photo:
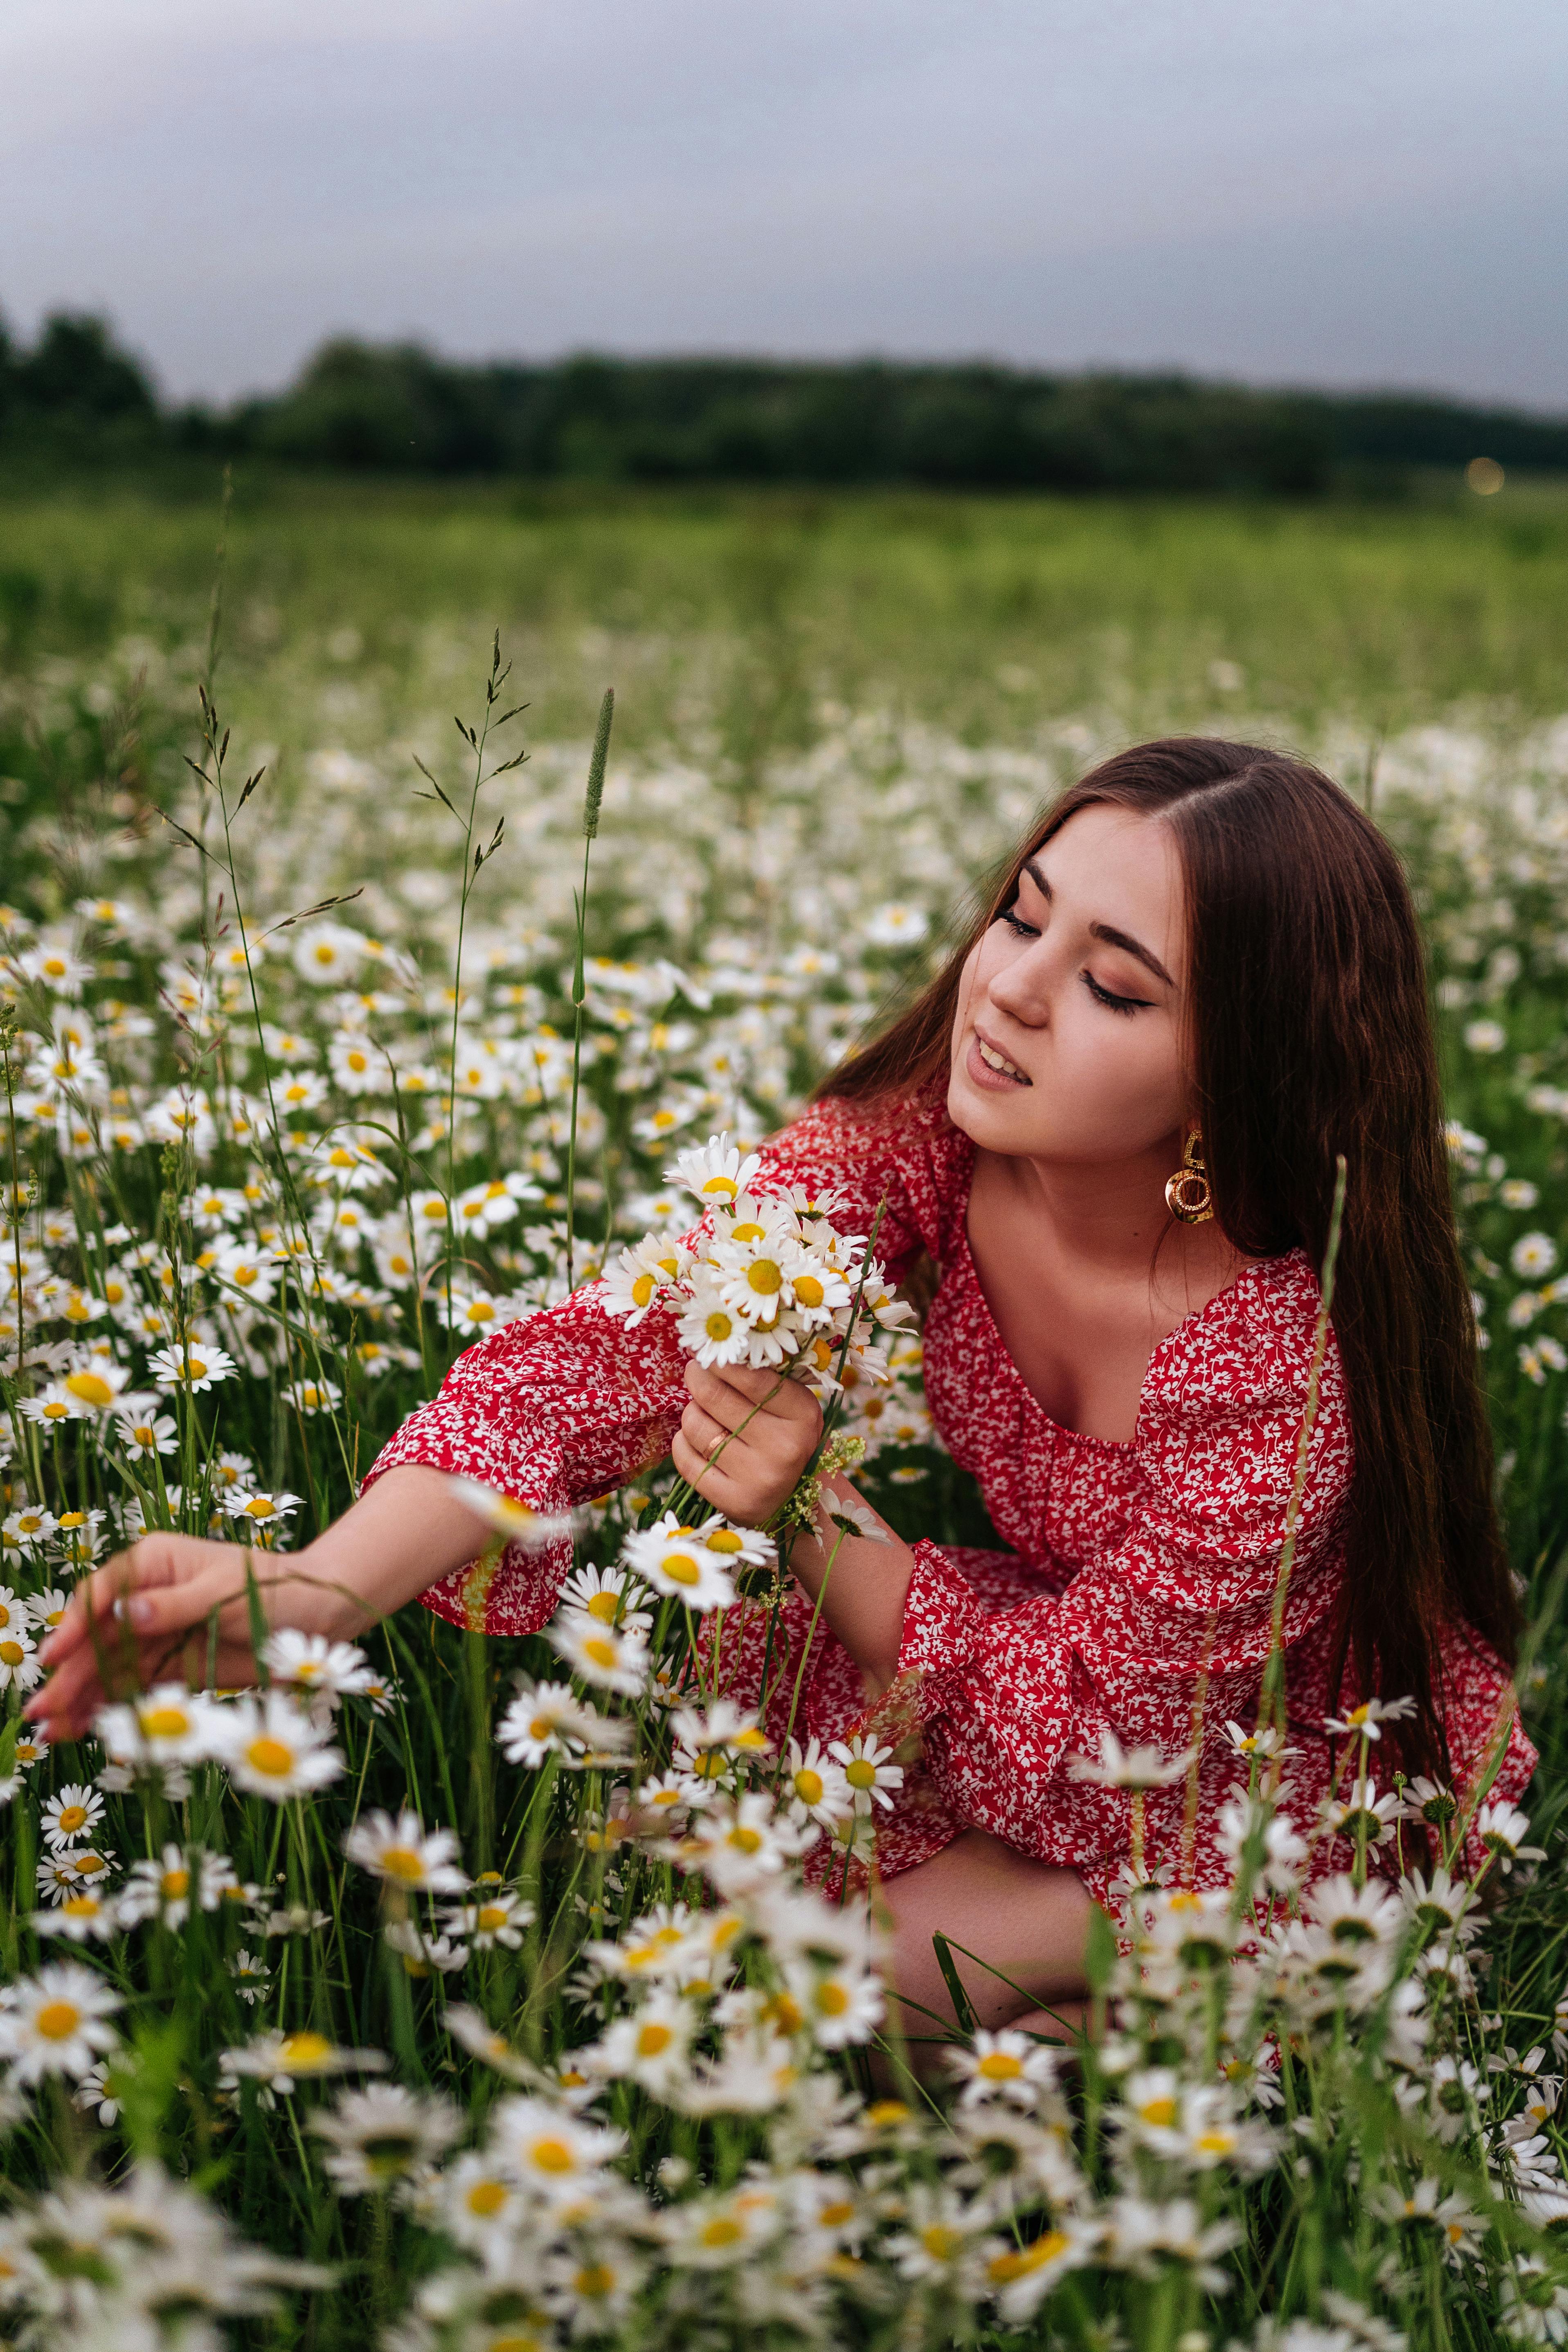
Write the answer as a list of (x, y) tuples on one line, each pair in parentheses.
[(1187, 1193)]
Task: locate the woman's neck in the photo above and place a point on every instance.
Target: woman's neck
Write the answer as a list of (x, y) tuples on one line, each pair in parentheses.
[(1105, 1217), (1085, 1273)]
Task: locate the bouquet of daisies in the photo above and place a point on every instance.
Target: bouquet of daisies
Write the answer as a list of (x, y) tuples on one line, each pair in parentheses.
[(766, 1279)]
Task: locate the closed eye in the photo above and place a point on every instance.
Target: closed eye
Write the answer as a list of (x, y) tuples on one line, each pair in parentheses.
[(1114, 1004), (1017, 926)]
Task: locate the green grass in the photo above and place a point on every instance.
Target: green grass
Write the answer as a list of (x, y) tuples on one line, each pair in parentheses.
[(976, 614), (739, 631)]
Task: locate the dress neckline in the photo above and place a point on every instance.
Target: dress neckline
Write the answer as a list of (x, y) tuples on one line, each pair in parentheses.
[(964, 1266)]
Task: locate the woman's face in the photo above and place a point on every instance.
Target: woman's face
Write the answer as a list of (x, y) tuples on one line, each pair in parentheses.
[(1067, 1045)]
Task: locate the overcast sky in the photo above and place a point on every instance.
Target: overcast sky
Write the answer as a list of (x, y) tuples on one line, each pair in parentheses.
[(1342, 192)]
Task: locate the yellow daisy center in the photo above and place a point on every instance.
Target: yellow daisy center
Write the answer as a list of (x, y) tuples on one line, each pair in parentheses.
[(303, 2050), (999, 2067), (401, 1862)]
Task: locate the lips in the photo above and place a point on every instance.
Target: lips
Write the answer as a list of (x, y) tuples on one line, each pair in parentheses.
[(995, 1059)]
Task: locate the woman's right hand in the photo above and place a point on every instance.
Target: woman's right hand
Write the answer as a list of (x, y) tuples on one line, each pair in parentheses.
[(145, 1618)]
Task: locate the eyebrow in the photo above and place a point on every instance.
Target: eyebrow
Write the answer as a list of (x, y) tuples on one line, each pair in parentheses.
[(1105, 931)]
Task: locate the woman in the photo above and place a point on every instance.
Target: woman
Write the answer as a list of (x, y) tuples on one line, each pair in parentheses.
[(1112, 1122)]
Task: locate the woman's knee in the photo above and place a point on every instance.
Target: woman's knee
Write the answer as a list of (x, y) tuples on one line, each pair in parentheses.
[(1014, 1928)]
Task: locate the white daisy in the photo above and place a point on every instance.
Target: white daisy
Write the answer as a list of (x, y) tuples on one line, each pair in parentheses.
[(404, 1855), (869, 1769), (194, 1367), (56, 2022), (144, 1435), (272, 1749), (520, 1523), (321, 1669), (71, 1814), (685, 1562), (715, 1171), (601, 1655)]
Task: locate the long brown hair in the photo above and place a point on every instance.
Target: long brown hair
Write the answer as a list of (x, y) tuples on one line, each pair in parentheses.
[(1311, 1035)]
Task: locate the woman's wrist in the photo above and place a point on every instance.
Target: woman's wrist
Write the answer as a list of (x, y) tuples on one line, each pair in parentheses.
[(862, 1578), (405, 1533)]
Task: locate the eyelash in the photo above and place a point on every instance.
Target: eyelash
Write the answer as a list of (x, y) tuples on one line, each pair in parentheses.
[(1125, 1005)]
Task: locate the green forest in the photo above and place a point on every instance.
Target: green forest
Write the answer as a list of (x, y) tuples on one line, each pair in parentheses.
[(75, 396)]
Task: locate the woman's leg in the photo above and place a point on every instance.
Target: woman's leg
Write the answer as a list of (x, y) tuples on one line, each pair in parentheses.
[(1022, 1922)]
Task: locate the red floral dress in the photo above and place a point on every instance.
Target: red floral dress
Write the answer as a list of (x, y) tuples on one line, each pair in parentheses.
[(1138, 1591)]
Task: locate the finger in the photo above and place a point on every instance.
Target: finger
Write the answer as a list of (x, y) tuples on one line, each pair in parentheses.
[(721, 1402), (62, 1708), (74, 1694), (757, 1389), (704, 1435), (150, 1622), (708, 1481), (768, 1397), (151, 1561)]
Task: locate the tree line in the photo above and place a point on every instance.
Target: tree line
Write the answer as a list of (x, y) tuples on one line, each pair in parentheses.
[(402, 409)]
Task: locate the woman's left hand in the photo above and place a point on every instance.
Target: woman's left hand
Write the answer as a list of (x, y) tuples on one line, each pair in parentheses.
[(744, 1439)]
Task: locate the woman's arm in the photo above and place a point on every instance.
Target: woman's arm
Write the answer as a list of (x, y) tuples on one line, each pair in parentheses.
[(863, 1581), (143, 1617)]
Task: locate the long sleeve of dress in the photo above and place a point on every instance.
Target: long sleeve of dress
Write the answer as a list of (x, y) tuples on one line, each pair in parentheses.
[(568, 1403), (1188, 1593)]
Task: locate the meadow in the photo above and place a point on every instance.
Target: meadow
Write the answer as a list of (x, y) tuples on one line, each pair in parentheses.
[(475, 2023)]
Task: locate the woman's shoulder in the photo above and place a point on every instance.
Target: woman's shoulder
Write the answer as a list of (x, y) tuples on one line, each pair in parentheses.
[(1227, 1396), (886, 1131), (1252, 1344)]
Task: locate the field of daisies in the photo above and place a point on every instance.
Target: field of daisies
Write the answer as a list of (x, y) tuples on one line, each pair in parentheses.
[(449, 1993)]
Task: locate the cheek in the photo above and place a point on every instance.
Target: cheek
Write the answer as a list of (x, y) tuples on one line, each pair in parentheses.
[(973, 980), (1131, 1069)]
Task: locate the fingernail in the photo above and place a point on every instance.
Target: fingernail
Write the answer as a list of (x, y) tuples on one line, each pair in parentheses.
[(139, 1611)]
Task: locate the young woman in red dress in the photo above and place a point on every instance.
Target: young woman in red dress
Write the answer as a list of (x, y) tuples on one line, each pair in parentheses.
[(1204, 959)]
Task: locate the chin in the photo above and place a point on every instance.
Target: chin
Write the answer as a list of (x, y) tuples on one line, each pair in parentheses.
[(995, 1122)]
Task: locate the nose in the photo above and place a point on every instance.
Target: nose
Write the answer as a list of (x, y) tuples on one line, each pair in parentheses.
[(1021, 988)]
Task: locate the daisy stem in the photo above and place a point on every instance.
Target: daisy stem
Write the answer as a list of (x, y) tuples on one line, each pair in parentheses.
[(1359, 1873), (810, 1634), (590, 804)]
